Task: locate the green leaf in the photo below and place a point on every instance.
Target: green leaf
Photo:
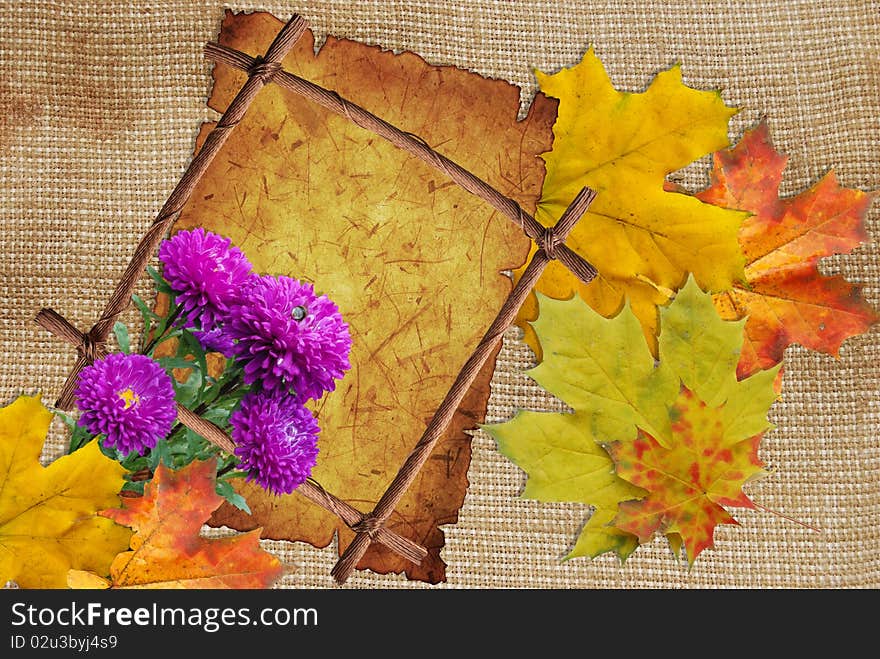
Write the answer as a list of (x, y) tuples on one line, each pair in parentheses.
[(161, 285), (159, 454), (602, 368), (218, 415), (148, 318), (134, 486), (187, 393), (169, 363), (79, 436), (189, 345), (109, 451), (68, 420), (121, 332), (745, 413), (565, 463), (146, 313), (225, 490), (698, 346), (134, 461), (703, 351)]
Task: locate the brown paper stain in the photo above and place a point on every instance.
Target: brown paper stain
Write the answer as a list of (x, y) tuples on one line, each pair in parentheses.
[(413, 261)]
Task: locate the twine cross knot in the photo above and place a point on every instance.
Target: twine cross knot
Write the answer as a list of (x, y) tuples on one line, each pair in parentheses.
[(549, 241), (369, 524), (263, 69), (90, 348)]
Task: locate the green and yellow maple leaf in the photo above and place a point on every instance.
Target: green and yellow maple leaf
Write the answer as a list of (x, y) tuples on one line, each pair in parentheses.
[(642, 239), (565, 463), (620, 397), (48, 515)]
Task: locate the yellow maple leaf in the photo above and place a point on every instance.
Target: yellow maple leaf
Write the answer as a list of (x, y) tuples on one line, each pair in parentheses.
[(643, 240), (48, 515)]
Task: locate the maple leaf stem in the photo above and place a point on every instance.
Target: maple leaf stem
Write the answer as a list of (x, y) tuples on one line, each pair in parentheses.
[(790, 519)]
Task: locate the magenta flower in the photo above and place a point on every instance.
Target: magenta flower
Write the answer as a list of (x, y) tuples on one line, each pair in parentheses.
[(215, 340), (288, 339), (127, 398), (277, 441), (207, 275)]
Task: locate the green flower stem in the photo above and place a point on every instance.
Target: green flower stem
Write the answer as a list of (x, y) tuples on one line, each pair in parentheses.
[(161, 333)]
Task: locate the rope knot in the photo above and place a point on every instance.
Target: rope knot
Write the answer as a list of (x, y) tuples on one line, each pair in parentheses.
[(90, 348), (263, 70), (368, 525), (549, 241)]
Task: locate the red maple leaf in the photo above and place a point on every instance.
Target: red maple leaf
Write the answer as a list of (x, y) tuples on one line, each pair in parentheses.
[(787, 300)]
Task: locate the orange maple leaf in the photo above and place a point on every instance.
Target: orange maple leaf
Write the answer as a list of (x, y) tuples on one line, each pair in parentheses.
[(167, 550), (688, 483), (786, 299)]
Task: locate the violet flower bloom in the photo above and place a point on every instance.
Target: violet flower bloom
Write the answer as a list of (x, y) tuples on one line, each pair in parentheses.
[(215, 340), (207, 275), (127, 398), (276, 439), (289, 339)]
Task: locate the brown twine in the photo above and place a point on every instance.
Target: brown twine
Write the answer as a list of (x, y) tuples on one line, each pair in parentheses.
[(87, 348), (357, 521), (264, 69), (416, 146)]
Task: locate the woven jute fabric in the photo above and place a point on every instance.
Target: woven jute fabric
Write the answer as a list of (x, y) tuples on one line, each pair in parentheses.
[(99, 108)]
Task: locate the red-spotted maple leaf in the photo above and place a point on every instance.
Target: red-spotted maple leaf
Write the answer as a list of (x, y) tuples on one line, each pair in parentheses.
[(167, 550), (689, 482), (786, 299)]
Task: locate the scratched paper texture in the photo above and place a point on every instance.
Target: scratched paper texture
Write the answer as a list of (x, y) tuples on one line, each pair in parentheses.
[(413, 261), (101, 104)]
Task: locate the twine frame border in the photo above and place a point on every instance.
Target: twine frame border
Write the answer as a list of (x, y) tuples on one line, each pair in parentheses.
[(261, 70)]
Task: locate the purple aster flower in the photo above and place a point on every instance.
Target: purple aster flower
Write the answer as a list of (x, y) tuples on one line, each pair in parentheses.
[(206, 274), (127, 398), (215, 340), (276, 439), (288, 338)]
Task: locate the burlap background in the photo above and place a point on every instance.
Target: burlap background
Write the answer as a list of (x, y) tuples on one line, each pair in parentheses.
[(100, 104)]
